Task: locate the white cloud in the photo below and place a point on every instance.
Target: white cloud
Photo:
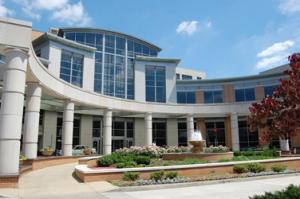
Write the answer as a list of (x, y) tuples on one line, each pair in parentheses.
[(289, 6), (271, 61), (73, 15), (4, 11), (276, 48), (50, 4), (60, 10), (187, 27)]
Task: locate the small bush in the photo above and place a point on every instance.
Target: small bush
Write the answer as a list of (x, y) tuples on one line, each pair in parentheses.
[(158, 175), (240, 168), (171, 175), (291, 192), (142, 160), (256, 167), (279, 168), (121, 165), (131, 176), (105, 161)]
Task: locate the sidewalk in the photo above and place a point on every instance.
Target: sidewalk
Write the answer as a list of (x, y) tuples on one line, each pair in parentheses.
[(55, 182)]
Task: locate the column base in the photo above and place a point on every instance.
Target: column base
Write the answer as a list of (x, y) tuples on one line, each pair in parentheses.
[(30, 150), (9, 157)]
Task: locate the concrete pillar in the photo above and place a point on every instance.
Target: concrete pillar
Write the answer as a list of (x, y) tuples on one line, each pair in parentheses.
[(67, 133), (172, 132), (107, 131), (235, 132), (148, 129), (50, 128), (11, 112), (189, 126), (32, 115), (86, 130)]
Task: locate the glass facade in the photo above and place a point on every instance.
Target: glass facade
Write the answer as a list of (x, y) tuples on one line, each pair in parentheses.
[(244, 94), (248, 139), (215, 133), (114, 62), (71, 67), (159, 133), (213, 97), (123, 133), (268, 90), (186, 97), (155, 84)]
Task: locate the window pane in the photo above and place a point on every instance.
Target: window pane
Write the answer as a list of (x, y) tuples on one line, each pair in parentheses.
[(218, 96), (208, 97), (239, 95), (250, 94)]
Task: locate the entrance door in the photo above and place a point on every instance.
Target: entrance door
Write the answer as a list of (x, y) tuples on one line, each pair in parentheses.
[(97, 144)]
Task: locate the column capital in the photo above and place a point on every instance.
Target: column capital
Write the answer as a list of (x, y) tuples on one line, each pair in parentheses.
[(9, 49)]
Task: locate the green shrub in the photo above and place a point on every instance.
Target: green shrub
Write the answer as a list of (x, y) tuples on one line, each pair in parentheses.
[(279, 168), (291, 192), (192, 161), (130, 164), (142, 160), (158, 175), (131, 176), (105, 161), (121, 165), (240, 168), (256, 167), (171, 175)]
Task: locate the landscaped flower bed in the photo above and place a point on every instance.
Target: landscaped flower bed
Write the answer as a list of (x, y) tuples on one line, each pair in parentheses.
[(151, 156), (256, 171)]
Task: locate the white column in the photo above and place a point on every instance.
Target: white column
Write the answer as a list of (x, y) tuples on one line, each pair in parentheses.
[(67, 134), (11, 113), (107, 130), (148, 129), (235, 132), (32, 115), (189, 126)]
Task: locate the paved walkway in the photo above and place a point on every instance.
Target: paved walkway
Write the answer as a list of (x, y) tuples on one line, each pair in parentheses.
[(231, 190), (55, 182)]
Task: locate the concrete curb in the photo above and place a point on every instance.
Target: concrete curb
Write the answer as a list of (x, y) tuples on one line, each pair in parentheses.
[(198, 183)]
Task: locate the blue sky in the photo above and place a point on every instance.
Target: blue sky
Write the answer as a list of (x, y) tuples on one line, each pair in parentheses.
[(223, 38)]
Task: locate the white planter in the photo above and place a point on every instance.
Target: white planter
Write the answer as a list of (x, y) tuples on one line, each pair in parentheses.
[(284, 145)]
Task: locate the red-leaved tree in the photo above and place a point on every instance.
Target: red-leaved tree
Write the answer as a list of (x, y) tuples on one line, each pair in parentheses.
[(279, 114)]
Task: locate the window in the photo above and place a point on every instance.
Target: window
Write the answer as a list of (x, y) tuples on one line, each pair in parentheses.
[(146, 51), (213, 97), (137, 49), (80, 38), (99, 42), (186, 97), (198, 78), (109, 43), (159, 133), (130, 48), (71, 67), (182, 134), (120, 77), (269, 90), (153, 53), (247, 138), (90, 39), (109, 63), (123, 133), (244, 94), (187, 77), (97, 130), (70, 36), (177, 76), (120, 45), (155, 84), (215, 133), (98, 72), (130, 79)]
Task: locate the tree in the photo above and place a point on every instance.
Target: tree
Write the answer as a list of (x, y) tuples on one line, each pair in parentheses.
[(279, 114)]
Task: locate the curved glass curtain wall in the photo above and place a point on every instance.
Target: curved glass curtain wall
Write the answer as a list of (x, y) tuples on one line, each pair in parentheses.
[(114, 61)]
